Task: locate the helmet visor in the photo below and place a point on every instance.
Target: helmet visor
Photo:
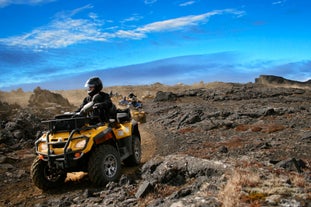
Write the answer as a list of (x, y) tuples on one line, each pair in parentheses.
[(90, 87)]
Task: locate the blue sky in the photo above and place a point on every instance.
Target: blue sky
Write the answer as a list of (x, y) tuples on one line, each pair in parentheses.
[(59, 44)]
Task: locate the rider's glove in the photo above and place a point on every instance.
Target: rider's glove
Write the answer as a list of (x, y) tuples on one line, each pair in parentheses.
[(77, 114)]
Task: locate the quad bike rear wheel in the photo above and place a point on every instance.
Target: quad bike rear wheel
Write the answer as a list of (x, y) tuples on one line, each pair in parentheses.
[(135, 158), (44, 177), (104, 165)]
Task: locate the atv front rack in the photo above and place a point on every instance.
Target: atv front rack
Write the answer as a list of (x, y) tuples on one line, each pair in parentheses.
[(71, 125), (66, 124)]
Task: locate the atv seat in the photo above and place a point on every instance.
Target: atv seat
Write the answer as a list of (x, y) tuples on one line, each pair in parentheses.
[(123, 115)]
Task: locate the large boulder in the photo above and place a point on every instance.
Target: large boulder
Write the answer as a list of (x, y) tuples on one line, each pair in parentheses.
[(176, 169), (165, 96), (46, 99)]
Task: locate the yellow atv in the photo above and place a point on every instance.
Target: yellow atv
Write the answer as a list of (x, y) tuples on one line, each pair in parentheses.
[(74, 143)]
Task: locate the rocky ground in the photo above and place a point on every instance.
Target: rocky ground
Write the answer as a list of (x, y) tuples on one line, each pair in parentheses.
[(238, 145)]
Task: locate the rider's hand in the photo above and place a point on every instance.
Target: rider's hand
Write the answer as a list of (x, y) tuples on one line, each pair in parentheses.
[(98, 106), (77, 114)]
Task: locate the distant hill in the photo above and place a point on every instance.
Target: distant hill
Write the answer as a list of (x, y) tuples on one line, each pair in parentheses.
[(280, 81)]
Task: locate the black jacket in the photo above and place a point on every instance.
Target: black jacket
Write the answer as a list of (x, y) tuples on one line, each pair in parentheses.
[(103, 106)]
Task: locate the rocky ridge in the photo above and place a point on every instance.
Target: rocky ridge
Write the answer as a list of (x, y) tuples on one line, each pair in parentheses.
[(272, 80)]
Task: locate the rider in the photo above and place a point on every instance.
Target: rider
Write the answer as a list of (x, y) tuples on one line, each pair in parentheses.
[(98, 100), (133, 100)]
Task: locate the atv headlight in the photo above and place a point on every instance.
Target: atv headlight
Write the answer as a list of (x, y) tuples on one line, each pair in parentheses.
[(80, 144), (42, 147)]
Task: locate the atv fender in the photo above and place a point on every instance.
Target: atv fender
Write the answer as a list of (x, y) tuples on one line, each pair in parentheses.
[(135, 128), (103, 136)]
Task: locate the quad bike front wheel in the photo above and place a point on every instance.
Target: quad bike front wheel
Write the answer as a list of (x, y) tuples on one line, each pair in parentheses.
[(135, 158), (104, 165), (44, 177)]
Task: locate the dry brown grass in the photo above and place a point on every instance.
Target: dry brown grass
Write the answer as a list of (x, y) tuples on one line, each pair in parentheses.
[(232, 193), (159, 191), (253, 185)]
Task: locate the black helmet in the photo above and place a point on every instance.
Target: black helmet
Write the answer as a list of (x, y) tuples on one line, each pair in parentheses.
[(131, 95), (95, 83)]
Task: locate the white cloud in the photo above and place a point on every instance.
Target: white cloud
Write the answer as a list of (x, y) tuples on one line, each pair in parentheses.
[(279, 2), (133, 18), (181, 22), (4, 3), (65, 30), (172, 24), (59, 34), (187, 3), (128, 34), (150, 1)]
